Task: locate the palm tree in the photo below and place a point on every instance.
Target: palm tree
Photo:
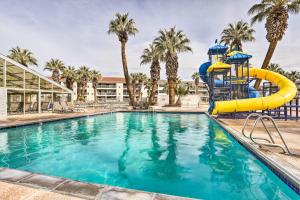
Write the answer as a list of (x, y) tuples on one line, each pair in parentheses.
[(83, 77), (276, 13), (142, 78), (166, 86), (196, 78), (170, 43), (153, 56), (134, 79), (276, 68), (237, 33), (293, 75), (69, 74), (55, 66), (181, 90), (94, 76), (22, 56), (148, 87), (123, 27)]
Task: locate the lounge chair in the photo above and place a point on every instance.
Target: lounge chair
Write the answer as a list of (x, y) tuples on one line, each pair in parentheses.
[(27, 107), (71, 106), (15, 107), (45, 106), (65, 107), (57, 107), (35, 107)]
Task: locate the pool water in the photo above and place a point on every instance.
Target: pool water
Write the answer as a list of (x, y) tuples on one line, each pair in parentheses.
[(179, 154)]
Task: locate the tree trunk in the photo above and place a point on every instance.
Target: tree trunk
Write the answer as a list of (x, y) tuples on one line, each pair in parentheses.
[(197, 84), (126, 74), (271, 49), (78, 91), (172, 87), (178, 103), (171, 72), (153, 92), (55, 76)]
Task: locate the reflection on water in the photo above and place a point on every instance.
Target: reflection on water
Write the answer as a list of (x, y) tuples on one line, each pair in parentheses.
[(179, 154)]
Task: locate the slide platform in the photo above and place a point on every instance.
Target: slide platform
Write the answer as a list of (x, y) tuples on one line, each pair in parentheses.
[(287, 91)]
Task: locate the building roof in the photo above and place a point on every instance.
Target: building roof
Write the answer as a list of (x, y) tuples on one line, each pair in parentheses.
[(106, 79), (34, 73)]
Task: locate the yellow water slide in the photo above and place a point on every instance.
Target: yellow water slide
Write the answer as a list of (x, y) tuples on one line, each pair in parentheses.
[(287, 91)]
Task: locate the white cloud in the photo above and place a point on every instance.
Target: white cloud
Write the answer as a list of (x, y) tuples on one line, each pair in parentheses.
[(76, 31)]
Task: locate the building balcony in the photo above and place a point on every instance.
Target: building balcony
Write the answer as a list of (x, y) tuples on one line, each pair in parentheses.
[(104, 86)]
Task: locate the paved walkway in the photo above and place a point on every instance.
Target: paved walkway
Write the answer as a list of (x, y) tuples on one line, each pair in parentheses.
[(15, 120), (290, 132)]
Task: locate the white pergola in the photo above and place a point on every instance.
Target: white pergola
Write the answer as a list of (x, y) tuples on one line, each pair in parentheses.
[(23, 80)]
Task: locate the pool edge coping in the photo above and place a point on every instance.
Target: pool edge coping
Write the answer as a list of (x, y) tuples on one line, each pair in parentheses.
[(291, 180), (102, 189)]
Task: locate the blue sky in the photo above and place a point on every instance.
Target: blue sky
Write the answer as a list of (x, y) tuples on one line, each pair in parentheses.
[(76, 31)]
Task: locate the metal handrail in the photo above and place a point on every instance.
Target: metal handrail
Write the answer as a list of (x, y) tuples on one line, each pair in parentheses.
[(270, 143), (246, 122)]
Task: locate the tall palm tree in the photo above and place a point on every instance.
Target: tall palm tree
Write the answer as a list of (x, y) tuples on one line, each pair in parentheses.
[(123, 27), (69, 73), (276, 13), (83, 77), (170, 43), (55, 66), (196, 78), (153, 56), (22, 56), (95, 76), (237, 33)]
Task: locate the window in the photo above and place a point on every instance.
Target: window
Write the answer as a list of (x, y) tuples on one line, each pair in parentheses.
[(14, 76)]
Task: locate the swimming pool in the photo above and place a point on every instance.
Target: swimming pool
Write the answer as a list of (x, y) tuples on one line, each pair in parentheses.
[(179, 154)]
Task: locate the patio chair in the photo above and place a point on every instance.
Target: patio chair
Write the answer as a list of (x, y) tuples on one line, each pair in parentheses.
[(34, 107), (65, 107), (14, 107), (57, 107), (27, 107), (71, 106), (45, 106)]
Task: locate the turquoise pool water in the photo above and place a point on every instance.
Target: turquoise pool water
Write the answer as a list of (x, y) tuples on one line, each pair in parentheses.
[(180, 154)]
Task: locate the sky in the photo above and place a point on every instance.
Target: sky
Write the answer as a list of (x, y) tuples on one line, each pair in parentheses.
[(75, 31)]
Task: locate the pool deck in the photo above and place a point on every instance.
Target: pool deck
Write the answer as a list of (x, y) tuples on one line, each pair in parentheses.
[(23, 185), (287, 167), (18, 120), (290, 131)]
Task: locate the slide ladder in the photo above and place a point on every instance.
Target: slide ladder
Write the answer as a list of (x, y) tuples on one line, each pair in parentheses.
[(271, 142)]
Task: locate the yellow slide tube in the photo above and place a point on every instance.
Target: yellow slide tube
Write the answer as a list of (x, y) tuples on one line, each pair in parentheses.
[(287, 91)]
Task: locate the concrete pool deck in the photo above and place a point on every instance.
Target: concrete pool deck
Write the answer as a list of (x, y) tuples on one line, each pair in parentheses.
[(290, 132), (23, 185)]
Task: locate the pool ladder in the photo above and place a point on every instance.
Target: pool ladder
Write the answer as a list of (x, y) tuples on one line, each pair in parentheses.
[(271, 142)]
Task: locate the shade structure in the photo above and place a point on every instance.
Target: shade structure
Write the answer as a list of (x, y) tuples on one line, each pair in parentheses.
[(218, 66), (238, 57), (217, 49)]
